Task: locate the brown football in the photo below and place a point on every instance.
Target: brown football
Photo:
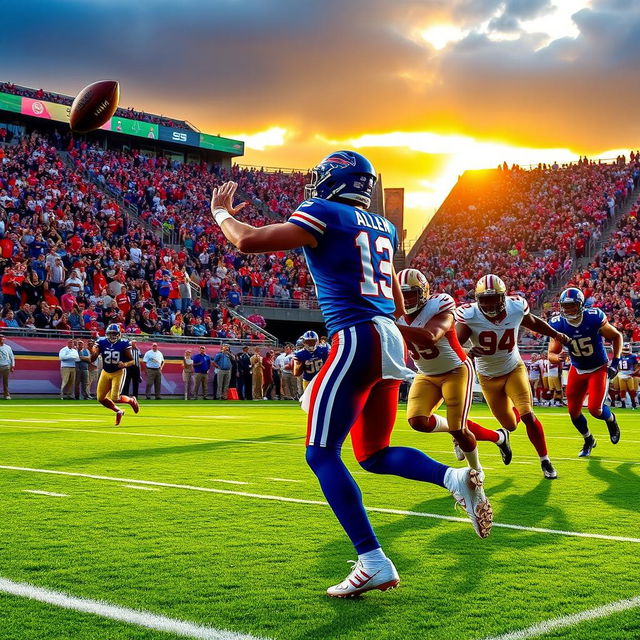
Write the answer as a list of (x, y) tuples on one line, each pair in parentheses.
[(94, 106)]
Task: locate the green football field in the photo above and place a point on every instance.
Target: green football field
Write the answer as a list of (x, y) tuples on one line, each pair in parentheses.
[(206, 513)]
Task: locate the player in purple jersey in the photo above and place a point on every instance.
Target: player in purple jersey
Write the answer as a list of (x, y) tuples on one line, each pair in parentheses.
[(349, 252)]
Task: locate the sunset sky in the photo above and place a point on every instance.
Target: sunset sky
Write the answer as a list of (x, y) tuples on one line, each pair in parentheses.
[(426, 89)]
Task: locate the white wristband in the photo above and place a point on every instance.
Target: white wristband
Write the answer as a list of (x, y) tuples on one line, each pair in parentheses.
[(220, 215)]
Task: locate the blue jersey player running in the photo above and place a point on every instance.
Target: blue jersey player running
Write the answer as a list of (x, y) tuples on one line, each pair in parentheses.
[(590, 367), (116, 357), (310, 358), (349, 252)]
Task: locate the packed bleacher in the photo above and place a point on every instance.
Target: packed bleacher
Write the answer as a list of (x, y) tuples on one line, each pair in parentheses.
[(528, 226), (58, 98), (175, 198), (612, 281), (71, 259)]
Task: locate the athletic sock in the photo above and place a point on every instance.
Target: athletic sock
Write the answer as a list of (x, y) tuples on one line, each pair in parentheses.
[(343, 496), (473, 459), (606, 414), (125, 399), (485, 435), (536, 436), (543, 458), (441, 424), (516, 413), (580, 423), (406, 462), (107, 402), (376, 556)]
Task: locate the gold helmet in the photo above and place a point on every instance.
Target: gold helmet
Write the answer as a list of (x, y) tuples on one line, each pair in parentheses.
[(491, 293), (415, 289)]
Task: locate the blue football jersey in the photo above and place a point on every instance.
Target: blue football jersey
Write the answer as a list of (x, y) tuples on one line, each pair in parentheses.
[(112, 353), (628, 364), (352, 263), (312, 361), (587, 350)]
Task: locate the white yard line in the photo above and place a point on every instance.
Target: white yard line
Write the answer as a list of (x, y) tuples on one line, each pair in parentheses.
[(283, 480), (140, 488), (46, 493), (562, 622), (401, 512), (227, 481), (121, 614)]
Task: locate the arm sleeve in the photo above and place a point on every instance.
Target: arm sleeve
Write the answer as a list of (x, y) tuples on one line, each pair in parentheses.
[(446, 303), (461, 315), (312, 216)]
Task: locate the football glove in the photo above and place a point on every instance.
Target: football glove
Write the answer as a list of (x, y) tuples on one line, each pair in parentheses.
[(612, 369)]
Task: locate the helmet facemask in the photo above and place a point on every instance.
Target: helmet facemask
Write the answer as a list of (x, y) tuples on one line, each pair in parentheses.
[(491, 304), (571, 311)]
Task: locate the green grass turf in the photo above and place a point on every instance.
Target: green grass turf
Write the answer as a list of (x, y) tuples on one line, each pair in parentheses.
[(261, 567)]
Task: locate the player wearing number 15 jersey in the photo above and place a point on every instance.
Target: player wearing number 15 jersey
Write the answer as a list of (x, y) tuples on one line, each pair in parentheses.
[(492, 324), (349, 252), (116, 357), (590, 368)]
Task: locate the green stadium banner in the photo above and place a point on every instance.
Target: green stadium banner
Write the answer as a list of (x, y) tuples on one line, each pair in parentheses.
[(9, 102), (217, 143), (134, 127)]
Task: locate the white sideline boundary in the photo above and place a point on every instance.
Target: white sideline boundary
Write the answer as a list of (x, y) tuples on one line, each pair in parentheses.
[(121, 614), (542, 628), (322, 503)]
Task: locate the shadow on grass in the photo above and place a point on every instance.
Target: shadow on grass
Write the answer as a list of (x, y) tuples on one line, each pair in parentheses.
[(162, 450), (623, 485)]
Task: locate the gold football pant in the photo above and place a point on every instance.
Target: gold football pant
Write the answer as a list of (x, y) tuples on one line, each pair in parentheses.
[(454, 387), (502, 393), (110, 385)]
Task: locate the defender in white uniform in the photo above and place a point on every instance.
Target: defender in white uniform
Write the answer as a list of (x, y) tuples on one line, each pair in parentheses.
[(445, 371), (492, 324)]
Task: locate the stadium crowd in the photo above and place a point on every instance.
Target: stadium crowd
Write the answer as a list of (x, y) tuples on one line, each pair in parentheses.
[(129, 112), (612, 280), (526, 225), (71, 259), (175, 198)]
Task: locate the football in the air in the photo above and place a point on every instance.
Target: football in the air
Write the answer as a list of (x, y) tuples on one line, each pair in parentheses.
[(94, 106)]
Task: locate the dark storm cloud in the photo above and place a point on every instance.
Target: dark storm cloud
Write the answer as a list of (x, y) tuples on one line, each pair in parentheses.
[(340, 67)]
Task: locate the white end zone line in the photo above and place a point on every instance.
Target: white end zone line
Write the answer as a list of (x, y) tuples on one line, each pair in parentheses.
[(543, 628), (322, 503), (121, 614)]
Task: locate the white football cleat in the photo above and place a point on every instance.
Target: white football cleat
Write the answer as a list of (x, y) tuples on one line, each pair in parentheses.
[(381, 576), (457, 451), (466, 486)]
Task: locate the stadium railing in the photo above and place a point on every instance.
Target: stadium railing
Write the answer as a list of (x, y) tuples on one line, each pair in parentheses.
[(253, 325), (281, 303), (24, 332)]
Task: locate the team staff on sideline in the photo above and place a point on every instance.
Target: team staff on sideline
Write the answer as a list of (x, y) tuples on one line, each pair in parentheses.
[(223, 364), (201, 366), (7, 366), (243, 380), (153, 361), (68, 357), (132, 375), (284, 364), (82, 373), (187, 374)]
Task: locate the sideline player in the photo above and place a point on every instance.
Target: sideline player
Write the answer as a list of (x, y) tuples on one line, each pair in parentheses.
[(116, 357), (590, 368), (310, 358), (627, 371), (349, 253), (492, 323), (445, 371), (535, 378)]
